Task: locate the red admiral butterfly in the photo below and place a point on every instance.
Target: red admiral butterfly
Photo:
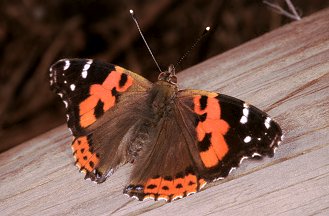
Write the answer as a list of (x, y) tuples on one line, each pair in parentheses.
[(177, 139)]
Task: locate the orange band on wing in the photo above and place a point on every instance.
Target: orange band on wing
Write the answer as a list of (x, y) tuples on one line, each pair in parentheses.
[(179, 188), (152, 185), (168, 187), (128, 82), (214, 149), (87, 106), (219, 144), (191, 183), (116, 81), (85, 159), (209, 158)]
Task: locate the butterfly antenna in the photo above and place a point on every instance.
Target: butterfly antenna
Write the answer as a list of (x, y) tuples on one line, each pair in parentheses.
[(140, 32), (207, 29)]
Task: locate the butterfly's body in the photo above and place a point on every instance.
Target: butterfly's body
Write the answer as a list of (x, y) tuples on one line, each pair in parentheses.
[(161, 99), (177, 139)]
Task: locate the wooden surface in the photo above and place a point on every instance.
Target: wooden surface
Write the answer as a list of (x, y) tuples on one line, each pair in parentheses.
[(285, 72)]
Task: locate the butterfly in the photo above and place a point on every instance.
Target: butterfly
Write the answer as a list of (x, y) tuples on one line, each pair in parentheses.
[(178, 140)]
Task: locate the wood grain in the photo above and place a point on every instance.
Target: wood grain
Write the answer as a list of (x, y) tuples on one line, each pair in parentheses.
[(285, 72)]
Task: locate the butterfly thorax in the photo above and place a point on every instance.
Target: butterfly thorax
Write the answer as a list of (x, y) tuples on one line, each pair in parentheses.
[(162, 96)]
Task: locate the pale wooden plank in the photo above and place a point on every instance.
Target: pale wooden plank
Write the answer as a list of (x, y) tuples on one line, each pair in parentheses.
[(285, 72)]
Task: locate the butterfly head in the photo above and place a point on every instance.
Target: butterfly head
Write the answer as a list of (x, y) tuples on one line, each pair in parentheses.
[(169, 75)]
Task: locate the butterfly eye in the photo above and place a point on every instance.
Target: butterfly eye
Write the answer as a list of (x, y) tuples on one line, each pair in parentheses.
[(162, 76), (165, 76), (168, 77)]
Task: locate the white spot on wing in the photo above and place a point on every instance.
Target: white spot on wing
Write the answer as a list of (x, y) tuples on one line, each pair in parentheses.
[(267, 122), (190, 193), (84, 74), (85, 69), (61, 95), (244, 157), (245, 112), (243, 120), (256, 154), (247, 139), (149, 198), (177, 197), (72, 86), (67, 65), (201, 186), (231, 170), (66, 104), (219, 178), (78, 165), (163, 198)]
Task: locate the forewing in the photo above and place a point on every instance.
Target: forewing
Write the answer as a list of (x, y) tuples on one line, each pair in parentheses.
[(89, 88), (104, 106), (227, 130)]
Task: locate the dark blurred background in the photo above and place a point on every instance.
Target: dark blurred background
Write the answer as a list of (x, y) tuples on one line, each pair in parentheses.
[(35, 33)]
